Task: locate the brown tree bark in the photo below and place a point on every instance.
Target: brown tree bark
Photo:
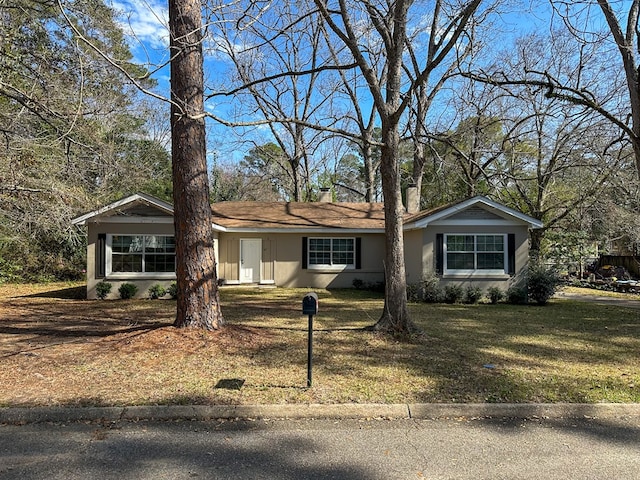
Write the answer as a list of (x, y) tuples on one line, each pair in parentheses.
[(395, 316), (198, 303)]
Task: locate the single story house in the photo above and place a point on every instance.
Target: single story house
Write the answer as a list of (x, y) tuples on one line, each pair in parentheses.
[(311, 245)]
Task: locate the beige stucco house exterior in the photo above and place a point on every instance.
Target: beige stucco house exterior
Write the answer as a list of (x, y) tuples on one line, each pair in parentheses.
[(310, 245)]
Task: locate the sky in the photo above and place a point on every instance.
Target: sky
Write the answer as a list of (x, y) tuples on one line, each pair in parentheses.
[(146, 25)]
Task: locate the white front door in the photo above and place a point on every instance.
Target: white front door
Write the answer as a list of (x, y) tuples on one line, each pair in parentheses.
[(250, 258)]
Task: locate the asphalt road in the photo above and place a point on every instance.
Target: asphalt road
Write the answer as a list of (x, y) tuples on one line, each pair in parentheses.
[(451, 448)]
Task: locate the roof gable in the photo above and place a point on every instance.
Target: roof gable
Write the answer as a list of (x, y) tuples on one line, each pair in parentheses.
[(138, 206), (476, 210)]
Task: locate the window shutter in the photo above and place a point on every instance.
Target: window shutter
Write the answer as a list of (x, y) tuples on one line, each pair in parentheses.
[(439, 253), (101, 255), (511, 254), (358, 254), (304, 252)]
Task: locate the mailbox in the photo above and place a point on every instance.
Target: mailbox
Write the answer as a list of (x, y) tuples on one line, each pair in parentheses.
[(310, 304)]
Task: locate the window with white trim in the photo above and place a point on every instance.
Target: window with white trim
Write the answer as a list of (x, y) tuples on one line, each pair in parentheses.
[(472, 253), (331, 252), (140, 254)]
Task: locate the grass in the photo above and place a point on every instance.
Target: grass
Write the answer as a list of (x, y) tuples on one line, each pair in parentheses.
[(56, 349)]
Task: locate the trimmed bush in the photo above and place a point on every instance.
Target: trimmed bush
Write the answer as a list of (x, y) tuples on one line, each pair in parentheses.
[(453, 293), (428, 291), (103, 289), (542, 283), (127, 290), (517, 294), (173, 290), (432, 291), (413, 293), (157, 291), (473, 294), (495, 294)]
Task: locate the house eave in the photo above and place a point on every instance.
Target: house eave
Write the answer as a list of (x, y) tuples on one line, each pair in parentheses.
[(296, 230), (130, 220)]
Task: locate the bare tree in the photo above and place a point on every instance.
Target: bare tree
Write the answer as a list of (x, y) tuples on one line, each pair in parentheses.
[(198, 303), (361, 113), (386, 23), (590, 52), (557, 157), (277, 55), (431, 69)]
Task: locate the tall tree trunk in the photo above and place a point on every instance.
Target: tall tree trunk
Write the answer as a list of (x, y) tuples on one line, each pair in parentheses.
[(627, 42), (395, 317), (198, 303)]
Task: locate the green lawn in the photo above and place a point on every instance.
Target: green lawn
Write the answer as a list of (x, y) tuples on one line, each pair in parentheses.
[(566, 351), (65, 351)]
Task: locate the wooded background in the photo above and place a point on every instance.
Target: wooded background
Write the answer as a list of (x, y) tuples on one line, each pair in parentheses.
[(539, 111)]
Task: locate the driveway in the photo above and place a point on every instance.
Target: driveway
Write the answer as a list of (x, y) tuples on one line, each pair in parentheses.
[(631, 301)]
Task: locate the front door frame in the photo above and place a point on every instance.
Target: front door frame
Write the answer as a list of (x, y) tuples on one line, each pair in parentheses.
[(250, 260)]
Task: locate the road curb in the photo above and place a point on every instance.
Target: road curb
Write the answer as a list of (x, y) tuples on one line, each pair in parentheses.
[(525, 410), (317, 411)]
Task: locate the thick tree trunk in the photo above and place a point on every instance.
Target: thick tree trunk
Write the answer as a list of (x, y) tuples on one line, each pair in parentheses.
[(395, 317), (198, 302), (535, 238)]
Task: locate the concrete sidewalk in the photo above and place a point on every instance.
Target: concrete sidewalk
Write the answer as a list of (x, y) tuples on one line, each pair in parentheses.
[(318, 411)]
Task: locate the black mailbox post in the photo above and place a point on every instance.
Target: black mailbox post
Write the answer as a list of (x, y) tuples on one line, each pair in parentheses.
[(310, 307)]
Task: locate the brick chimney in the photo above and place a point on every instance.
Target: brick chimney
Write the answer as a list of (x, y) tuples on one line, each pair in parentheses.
[(413, 202), (325, 195)]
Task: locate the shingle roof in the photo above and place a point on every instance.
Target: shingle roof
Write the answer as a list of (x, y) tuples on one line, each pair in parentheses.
[(298, 215)]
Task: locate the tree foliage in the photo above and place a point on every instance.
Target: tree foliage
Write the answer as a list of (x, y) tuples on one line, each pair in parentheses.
[(71, 135)]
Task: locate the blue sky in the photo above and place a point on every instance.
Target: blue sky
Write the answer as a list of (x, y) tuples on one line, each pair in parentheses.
[(145, 23)]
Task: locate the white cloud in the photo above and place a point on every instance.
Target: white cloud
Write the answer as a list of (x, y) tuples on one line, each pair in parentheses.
[(145, 22)]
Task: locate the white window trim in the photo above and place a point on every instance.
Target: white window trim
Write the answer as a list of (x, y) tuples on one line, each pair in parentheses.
[(330, 267), (131, 275), (476, 272)]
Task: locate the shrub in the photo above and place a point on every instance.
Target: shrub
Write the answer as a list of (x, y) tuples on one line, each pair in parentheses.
[(432, 291), (473, 294), (428, 291), (358, 283), (453, 293), (413, 292), (103, 289), (517, 294), (495, 294), (173, 290), (542, 283), (127, 290), (157, 291)]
